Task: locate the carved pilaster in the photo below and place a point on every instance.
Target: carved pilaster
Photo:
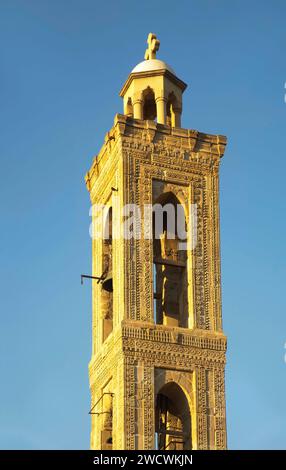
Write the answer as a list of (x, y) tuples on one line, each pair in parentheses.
[(220, 418)]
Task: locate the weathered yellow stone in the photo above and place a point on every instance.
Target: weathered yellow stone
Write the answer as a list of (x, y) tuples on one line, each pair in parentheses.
[(157, 366)]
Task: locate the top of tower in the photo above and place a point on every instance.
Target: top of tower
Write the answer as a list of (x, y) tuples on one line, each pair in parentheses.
[(152, 90), (153, 46), (151, 64)]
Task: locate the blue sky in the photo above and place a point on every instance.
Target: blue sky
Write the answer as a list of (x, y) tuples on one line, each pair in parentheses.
[(62, 66)]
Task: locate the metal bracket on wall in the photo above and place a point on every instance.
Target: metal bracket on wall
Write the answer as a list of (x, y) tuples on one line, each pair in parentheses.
[(82, 276), (91, 412)]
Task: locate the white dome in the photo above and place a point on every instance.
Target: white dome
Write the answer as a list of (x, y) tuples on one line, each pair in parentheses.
[(152, 65)]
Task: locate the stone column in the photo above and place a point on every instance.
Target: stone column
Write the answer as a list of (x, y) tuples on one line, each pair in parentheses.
[(128, 108), (138, 106), (161, 110)]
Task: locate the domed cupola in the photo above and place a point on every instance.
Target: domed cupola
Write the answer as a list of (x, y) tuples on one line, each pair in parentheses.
[(152, 90)]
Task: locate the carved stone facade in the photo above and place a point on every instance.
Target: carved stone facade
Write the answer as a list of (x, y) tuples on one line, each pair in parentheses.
[(137, 360), (138, 354)]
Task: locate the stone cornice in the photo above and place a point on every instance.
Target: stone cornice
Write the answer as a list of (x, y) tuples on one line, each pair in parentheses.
[(153, 73), (148, 136), (198, 338), (147, 339)]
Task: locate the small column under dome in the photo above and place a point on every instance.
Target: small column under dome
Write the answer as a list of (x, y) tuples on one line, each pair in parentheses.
[(153, 91)]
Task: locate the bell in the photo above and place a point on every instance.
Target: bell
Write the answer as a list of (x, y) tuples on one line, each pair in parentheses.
[(107, 282)]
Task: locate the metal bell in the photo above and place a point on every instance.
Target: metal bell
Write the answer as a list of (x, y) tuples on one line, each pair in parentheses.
[(107, 282)]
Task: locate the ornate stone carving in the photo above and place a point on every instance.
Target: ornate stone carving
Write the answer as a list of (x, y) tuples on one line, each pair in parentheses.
[(138, 358)]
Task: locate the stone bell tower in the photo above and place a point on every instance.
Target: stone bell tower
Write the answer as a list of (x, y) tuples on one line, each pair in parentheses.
[(158, 349)]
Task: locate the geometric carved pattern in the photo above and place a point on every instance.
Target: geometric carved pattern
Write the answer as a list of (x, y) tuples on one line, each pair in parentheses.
[(139, 357)]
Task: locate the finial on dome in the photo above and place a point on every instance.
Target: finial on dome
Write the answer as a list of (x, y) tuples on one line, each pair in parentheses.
[(153, 91), (153, 46)]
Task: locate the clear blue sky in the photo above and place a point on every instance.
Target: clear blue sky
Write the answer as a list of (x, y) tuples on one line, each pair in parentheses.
[(62, 66)]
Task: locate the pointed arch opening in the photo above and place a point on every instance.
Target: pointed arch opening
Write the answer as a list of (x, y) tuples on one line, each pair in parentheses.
[(169, 262), (172, 419), (173, 111), (107, 416), (149, 104), (129, 108), (107, 285)]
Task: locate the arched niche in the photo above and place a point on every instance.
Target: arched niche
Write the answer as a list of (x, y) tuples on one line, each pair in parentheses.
[(149, 104), (173, 111), (169, 262), (129, 108), (173, 427), (107, 290), (107, 421)]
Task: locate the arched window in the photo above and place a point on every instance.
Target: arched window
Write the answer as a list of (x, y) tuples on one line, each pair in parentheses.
[(172, 419), (129, 108), (172, 111), (107, 285), (107, 414), (149, 104), (170, 262)]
